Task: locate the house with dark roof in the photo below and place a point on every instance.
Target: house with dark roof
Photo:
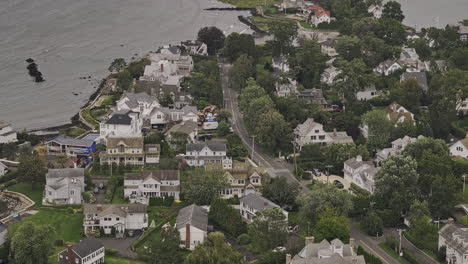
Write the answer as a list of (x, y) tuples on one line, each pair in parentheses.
[(64, 186), (7, 133), (121, 123), (72, 147), (114, 218), (192, 224), (254, 204), (201, 154), (87, 251), (329, 47), (141, 186), (454, 237), (188, 127), (388, 67), (141, 103), (314, 95), (333, 252), (420, 77), (311, 132), (241, 183)]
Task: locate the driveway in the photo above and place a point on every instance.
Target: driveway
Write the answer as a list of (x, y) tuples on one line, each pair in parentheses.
[(121, 244)]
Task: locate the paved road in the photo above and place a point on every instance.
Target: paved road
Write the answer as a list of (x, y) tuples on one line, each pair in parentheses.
[(371, 245), (421, 255), (274, 167)]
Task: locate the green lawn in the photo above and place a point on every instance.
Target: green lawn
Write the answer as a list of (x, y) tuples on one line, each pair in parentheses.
[(108, 101), (25, 188), (306, 25), (261, 22), (67, 226), (118, 196), (73, 132), (392, 253), (117, 260), (250, 3)]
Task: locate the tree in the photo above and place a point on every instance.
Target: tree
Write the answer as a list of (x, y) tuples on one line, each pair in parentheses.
[(223, 115), (124, 80), (284, 33), (31, 244), (408, 94), (63, 160), (256, 108), (272, 131), (117, 65), (214, 250), (268, 230), (266, 80), (321, 197), (422, 48), (373, 224), (307, 63), (425, 232), (224, 128), (392, 31), (165, 249), (226, 217), (178, 140), (417, 210), (166, 100), (242, 69), (379, 129), (336, 154), (250, 92), (272, 257), (237, 45), (459, 58), (392, 9), (331, 226), (279, 191), (397, 181), (202, 186), (349, 47), (213, 37), (354, 76), (31, 168)]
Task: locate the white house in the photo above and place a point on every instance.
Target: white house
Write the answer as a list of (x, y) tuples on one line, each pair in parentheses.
[(376, 10), (64, 186), (117, 218), (7, 134), (454, 237), (398, 146), (462, 105), (141, 186), (88, 251), (388, 67), (319, 17), (252, 203), (188, 127), (124, 151), (463, 31), (329, 75), (367, 93), (3, 169), (286, 87), (192, 224), (195, 47), (168, 61), (141, 103), (121, 123), (328, 47), (201, 154), (280, 64), (311, 132), (325, 252), (160, 117), (398, 114), (460, 148), (362, 173), (241, 183)]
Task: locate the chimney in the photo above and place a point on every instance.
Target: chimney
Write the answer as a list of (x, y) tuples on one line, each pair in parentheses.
[(162, 67), (359, 158), (309, 240), (334, 132), (187, 235), (351, 243), (288, 258), (265, 203), (450, 221), (99, 207), (70, 254)]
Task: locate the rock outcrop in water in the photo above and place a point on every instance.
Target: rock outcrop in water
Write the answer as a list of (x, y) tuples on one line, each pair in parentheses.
[(33, 71)]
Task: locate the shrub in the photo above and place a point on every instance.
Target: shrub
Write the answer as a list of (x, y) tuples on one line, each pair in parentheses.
[(7, 177), (70, 210), (391, 242), (370, 259), (8, 183), (410, 257), (243, 239), (59, 242), (442, 254), (111, 252)]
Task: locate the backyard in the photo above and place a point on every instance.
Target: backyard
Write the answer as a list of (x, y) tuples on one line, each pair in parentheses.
[(25, 188)]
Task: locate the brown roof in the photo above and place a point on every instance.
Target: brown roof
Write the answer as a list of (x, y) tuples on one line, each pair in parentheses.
[(116, 209), (152, 146), (132, 142), (465, 141), (170, 188), (159, 175)]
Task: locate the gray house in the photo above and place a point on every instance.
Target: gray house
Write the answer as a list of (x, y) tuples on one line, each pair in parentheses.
[(64, 186)]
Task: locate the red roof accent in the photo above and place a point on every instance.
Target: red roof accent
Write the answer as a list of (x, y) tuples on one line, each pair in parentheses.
[(315, 8), (321, 13)]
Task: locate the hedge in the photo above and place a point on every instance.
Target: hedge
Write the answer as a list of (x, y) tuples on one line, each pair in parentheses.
[(161, 201), (7, 177), (370, 259), (410, 257), (8, 183)]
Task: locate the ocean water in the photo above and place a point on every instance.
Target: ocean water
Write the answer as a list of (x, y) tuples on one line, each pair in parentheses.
[(70, 39)]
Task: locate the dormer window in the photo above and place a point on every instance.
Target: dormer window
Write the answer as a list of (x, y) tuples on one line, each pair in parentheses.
[(121, 148)]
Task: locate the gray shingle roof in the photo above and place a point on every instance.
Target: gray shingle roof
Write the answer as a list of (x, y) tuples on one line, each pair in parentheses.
[(69, 141), (194, 215), (310, 254), (456, 237), (120, 118), (131, 142), (135, 98), (420, 77), (87, 246), (212, 146), (117, 209), (159, 175), (186, 127), (258, 202), (65, 173)]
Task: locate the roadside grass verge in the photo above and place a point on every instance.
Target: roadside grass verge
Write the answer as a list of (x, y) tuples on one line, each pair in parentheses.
[(392, 253)]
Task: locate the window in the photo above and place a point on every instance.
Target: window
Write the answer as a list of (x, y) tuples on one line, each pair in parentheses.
[(182, 242), (459, 149), (313, 137), (117, 219), (316, 131), (255, 180), (50, 193), (121, 148), (322, 137), (72, 192), (241, 181)]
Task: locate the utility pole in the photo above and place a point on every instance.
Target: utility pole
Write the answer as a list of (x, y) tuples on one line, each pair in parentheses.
[(295, 161), (464, 176), (400, 231), (253, 147), (328, 172)]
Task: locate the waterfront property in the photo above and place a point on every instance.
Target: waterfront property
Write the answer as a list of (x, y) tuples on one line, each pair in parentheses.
[(124, 151), (325, 252), (72, 147), (64, 186), (114, 218), (141, 103), (7, 133), (253, 203), (121, 123), (87, 251), (141, 186), (311, 132), (201, 154), (192, 224)]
